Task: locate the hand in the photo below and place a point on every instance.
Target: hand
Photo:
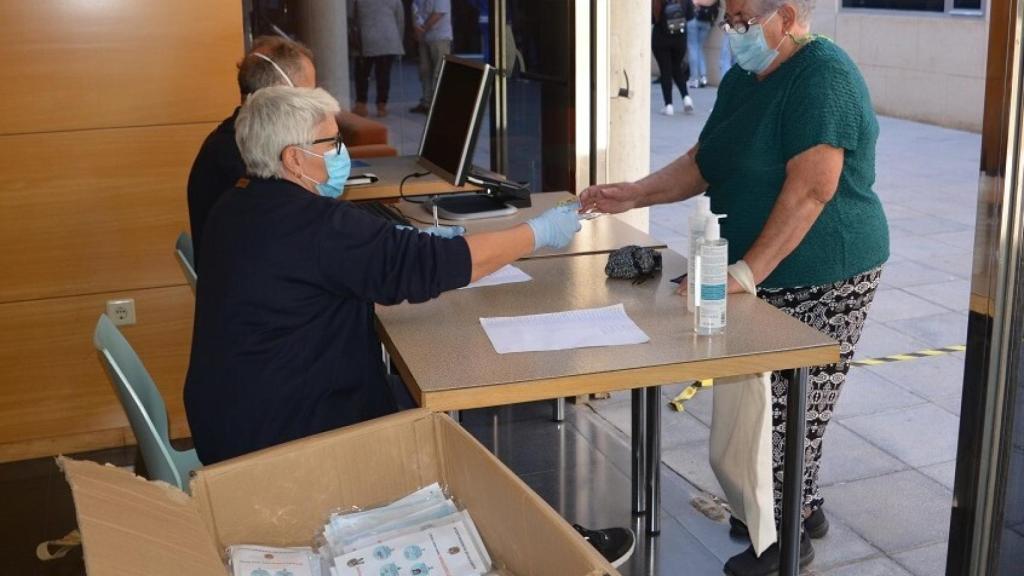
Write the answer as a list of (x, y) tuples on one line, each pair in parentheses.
[(417, 33), (444, 231), (555, 227), (610, 198)]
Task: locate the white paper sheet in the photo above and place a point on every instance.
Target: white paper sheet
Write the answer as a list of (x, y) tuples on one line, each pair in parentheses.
[(608, 326), (507, 274)]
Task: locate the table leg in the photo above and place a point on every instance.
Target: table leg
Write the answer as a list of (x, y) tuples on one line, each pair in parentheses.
[(793, 473), (638, 399), (654, 460), (558, 414)]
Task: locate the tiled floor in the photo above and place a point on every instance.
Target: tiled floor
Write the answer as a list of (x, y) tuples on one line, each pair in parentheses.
[(889, 455)]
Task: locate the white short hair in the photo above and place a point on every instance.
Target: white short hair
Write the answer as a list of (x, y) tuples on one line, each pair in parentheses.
[(275, 117), (804, 8)]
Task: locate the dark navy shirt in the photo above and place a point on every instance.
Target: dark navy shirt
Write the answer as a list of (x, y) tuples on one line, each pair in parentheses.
[(284, 344), (217, 167)]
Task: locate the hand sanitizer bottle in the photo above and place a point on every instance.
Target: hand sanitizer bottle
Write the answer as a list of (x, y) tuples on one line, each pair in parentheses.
[(713, 257), (697, 220)]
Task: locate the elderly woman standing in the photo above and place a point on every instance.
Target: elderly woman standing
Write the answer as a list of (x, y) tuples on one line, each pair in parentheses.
[(380, 24), (283, 343), (788, 154)]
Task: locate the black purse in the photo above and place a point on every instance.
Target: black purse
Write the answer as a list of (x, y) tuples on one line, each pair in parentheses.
[(633, 263)]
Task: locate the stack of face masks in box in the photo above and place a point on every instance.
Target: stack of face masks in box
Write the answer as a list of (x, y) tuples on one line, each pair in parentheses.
[(423, 534), (267, 561)]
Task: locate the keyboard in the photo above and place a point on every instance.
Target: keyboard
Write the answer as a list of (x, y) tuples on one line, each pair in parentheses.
[(384, 211)]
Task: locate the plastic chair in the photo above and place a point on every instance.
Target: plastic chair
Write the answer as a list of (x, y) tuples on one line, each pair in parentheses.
[(144, 406), (183, 249)]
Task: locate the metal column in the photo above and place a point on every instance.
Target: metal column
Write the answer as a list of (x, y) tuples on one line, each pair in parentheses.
[(558, 410)]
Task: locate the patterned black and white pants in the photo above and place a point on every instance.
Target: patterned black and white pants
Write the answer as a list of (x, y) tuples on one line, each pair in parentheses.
[(838, 310)]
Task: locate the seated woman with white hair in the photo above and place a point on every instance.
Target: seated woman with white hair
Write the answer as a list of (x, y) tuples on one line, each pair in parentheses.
[(284, 343)]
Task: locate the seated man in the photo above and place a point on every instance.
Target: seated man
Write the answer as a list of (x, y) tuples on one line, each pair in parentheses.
[(273, 61)]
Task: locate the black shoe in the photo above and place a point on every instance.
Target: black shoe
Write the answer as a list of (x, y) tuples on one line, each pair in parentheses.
[(419, 109), (816, 526), (746, 564), (615, 544)]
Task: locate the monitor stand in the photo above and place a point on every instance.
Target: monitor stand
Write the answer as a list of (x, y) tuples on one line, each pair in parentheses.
[(471, 206)]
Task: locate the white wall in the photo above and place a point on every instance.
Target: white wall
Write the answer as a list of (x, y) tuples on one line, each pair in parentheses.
[(918, 66), (929, 68)]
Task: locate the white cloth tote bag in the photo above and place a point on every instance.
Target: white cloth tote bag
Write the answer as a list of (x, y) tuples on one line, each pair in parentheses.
[(741, 452)]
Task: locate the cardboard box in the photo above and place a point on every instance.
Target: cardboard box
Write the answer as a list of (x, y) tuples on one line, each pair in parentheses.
[(282, 496)]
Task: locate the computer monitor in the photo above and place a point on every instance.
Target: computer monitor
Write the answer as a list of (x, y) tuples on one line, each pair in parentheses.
[(449, 139), (460, 97)]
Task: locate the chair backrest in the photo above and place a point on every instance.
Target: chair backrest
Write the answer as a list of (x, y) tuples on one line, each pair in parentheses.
[(141, 400), (186, 258)]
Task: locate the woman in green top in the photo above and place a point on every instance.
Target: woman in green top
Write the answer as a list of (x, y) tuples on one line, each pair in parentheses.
[(788, 154)]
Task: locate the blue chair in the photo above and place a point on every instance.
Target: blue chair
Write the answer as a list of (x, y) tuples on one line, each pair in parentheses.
[(144, 406), (186, 258)]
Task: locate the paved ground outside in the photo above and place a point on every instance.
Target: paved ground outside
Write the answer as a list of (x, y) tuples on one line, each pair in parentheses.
[(890, 450)]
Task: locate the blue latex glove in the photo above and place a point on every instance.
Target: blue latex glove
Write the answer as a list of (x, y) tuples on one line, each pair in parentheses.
[(445, 231), (555, 227)]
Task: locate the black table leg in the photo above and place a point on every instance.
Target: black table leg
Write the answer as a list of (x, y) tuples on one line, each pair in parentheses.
[(638, 399), (654, 460), (793, 473)]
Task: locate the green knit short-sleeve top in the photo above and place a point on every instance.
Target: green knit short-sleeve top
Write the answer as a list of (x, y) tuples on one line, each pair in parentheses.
[(816, 97)]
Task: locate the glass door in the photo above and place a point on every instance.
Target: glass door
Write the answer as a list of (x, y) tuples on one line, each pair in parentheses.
[(534, 119), (987, 522)]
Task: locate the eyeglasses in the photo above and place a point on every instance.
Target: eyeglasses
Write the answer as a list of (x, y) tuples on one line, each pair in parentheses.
[(336, 139), (739, 27)]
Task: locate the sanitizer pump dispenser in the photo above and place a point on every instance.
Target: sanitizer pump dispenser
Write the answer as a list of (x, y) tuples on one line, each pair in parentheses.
[(698, 219), (711, 275)]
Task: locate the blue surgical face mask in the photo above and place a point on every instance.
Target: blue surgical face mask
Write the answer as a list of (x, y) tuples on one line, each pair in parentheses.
[(339, 166), (751, 50)]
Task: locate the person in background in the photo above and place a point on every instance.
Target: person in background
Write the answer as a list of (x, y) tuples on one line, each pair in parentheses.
[(698, 28), (272, 61), (483, 19), (380, 24), (432, 26), (788, 154), (283, 343), (668, 43)]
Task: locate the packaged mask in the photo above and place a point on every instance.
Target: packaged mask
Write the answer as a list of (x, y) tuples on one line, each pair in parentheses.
[(268, 561)]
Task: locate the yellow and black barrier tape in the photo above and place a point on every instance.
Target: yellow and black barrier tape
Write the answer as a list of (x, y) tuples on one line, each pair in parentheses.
[(678, 403), (909, 356), (687, 393)]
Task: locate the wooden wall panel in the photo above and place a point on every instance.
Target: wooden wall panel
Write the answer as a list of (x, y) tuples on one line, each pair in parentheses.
[(106, 106), (80, 64), (54, 385), (93, 211)]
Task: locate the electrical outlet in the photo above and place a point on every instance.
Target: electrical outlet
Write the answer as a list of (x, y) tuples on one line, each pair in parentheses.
[(121, 312)]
